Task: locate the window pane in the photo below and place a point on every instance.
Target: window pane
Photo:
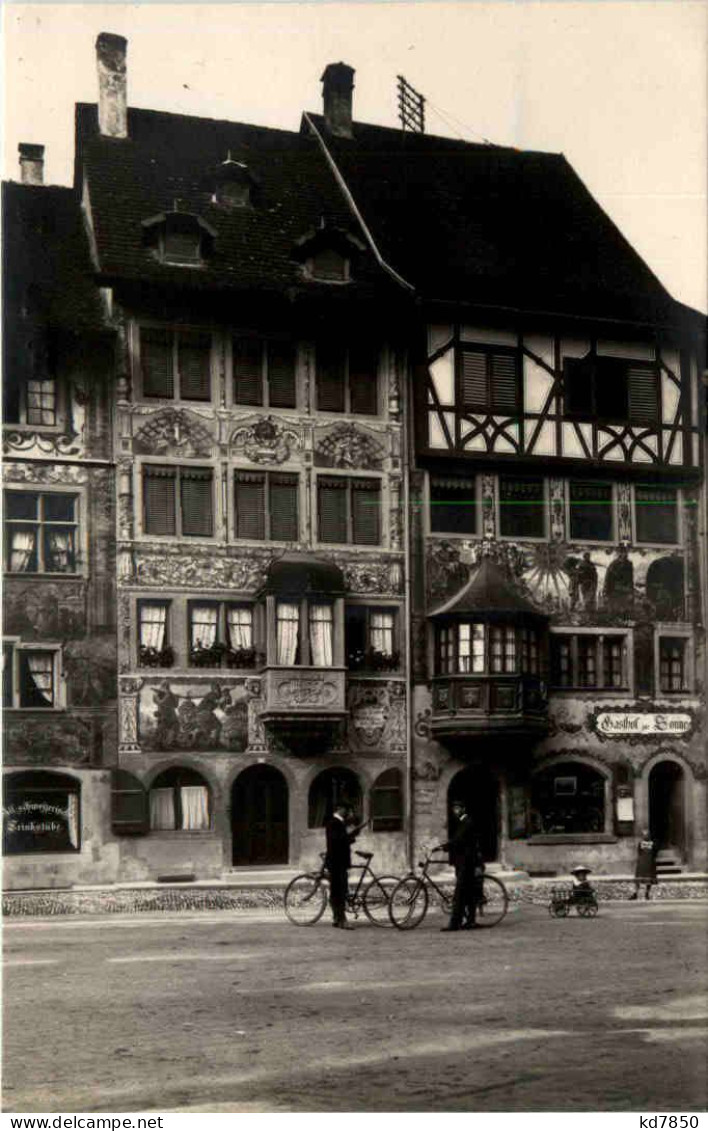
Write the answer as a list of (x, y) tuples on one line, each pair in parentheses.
[(287, 628), (21, 548), (587, 661), (153, 624), (281, 375), (203, 624), (21, 504), (614, 661), (156, 363), (159, 500), (58, 508), (59, 549), (579, 377), (331, 369), (366, 506), (656, 513), (332, 507), (283, 508), (381, 632), (320, 618), (248, 370), (611, 391), (41, 402), (561, 668), (363, 386), (239, 622), (249, 493), (453, 506), (196, 501), (195, 366), (672, 665), (591, 511), (36, 679), (521, 507)]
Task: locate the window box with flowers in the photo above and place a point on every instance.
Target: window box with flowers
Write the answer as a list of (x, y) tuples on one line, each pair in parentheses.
[(371, 660), (151, 657)]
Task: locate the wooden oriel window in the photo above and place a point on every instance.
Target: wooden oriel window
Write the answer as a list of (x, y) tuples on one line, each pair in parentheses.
[(349, 510), (489, 379), (263, 371), (347, 377), (266, 506), (175, 364), (178, 501)]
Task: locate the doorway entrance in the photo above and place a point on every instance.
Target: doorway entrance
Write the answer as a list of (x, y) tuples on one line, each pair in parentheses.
[(667, 822), (259, 817), (478, 789)]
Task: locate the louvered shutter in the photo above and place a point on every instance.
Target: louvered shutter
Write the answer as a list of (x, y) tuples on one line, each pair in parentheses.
[(248, 370), (366, 507), (504, 384), (363, 384), (332, 507), (474, 379), (196, 502), (159, 500), (331, 370), (249, 491), (156, 363), (194, 353), (281, 375), (282, 506), (129, 805), (643, 393)]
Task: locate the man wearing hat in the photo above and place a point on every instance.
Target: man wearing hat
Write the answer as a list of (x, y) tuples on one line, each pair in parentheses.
[(466, 858), (339, 861)]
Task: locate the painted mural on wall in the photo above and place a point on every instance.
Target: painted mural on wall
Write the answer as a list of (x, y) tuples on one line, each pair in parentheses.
[(174, 432), (377, 715), (193, 715), (90, 670), (45, 611), (49, 741), (348, 446)]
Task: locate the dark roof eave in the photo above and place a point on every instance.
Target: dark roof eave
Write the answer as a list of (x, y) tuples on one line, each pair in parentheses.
[(556, 315)]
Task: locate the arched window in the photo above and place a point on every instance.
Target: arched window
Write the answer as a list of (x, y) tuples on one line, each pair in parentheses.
[(41, 813), (387, 802), (179, 799), (330, 788), (569, 797), (665, 588)]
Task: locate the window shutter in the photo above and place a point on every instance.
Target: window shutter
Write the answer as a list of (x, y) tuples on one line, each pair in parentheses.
[(283, 509), (159, 500), (474, 379), (129, 805), (196, 502), (331, 368), (643, 393), (363, 383), (332, 505), (281, 375), (156, 363), (195, 366), (366, 505), (579, 384), (250, 505), (504, 382), (248, 370)]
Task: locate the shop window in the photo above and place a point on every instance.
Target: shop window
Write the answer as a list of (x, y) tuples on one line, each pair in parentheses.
[(266, 506), (349, 510), (453, 505), (611, 389), (522, 507), (665, 588), (386, 808), (179, 800), (569, 798), (175, 364), (41, 532), (220, 635), (347, 378), (371, 642), (263, 372), (41, 813), (673, 663), (330, 788), (489, 379), (178, 501), (154, 650), (588, 660), (656, 514), (591, 511)]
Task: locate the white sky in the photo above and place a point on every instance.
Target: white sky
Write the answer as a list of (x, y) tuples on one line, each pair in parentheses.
[(619, 88)]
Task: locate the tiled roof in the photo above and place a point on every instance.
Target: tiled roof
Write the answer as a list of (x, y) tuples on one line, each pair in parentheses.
[(488, 592), (494, 226), (171, 157)]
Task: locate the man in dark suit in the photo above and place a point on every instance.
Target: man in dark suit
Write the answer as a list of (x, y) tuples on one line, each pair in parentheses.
[(466, 858), (338, 861)]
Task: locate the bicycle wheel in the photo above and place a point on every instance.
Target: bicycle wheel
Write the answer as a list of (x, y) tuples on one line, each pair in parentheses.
[(305, 899), (493, 905), (376, 899), (408, 903)]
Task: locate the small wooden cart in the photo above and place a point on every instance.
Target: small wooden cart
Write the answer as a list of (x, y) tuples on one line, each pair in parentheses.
[(566, 897)]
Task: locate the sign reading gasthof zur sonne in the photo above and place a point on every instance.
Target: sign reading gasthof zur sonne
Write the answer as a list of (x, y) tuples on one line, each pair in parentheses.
[(623, 724)]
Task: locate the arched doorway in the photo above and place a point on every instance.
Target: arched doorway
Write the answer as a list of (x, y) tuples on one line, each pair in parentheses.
[(667, 822), (259, 816), (479, 791)]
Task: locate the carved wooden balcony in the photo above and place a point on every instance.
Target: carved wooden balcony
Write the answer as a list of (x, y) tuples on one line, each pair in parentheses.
[(469, 706), (304, 704)]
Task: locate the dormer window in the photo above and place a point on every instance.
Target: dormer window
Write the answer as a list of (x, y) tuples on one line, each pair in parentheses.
[(328, 266), (179, 238), (327, 254), (235, 185)]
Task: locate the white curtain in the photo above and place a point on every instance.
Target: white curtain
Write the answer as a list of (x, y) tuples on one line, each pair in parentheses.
[(204, 620), (21, 549), (60, 551), (162, 808), (477, 647), (195, 806), (152, 626), (40, 669), (470, 652), (321, 635), (288, 619), (72, 819), (382, 633), (240, 623)]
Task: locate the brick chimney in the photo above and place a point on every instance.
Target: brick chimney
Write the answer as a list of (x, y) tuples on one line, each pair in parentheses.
[(31, 163), (337, 87), (112, 85)]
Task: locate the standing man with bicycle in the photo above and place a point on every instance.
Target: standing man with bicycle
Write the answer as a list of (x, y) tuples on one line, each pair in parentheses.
[(338, 862), (466, 858)]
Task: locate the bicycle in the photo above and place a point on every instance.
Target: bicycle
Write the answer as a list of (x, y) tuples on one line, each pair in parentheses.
[(306, 896), (410, 898)]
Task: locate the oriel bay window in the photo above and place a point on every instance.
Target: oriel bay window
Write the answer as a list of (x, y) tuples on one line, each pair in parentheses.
[(220, 633), (469, 647), (266, 506), (304, 633), (347, 377), (178, 501), (522, 507), (656, 514), (40, 532), (591, 511), (349, 510), (175, 364), (596, 661), (263, 371)]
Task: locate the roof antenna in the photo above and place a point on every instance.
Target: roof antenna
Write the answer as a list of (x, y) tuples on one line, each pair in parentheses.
[(411, 107)]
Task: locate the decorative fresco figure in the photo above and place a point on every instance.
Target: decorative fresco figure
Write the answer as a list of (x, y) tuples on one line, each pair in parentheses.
[(619, 583), (188, 723), (207, 722), (234, 731), (665, 588), (587, 582), (167, 722), (570, 565)]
